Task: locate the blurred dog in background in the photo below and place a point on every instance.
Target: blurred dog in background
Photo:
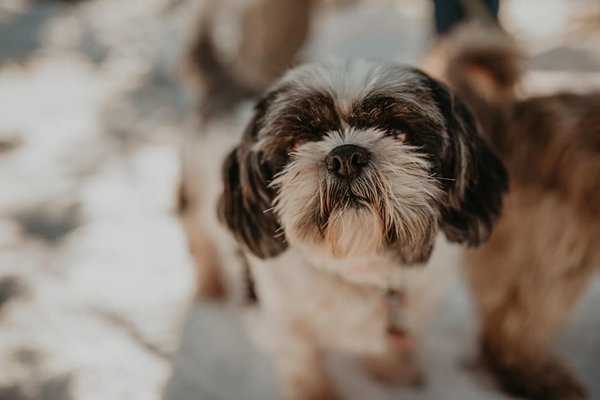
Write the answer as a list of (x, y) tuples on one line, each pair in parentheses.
[(538, 260), (258, 41)]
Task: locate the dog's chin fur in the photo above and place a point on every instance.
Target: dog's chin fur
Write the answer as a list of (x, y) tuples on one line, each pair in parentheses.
[(391, 205), (354, 232)]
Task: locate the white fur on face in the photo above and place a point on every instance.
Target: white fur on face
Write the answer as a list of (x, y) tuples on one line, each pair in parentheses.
[(397, 198)]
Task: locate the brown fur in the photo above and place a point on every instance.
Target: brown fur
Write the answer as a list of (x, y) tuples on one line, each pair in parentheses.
[(544, 250), (526, 278)]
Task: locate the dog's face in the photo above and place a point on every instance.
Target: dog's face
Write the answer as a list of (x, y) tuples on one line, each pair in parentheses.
[(359, 159)]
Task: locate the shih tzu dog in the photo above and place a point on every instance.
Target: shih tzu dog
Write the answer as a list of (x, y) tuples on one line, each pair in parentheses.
[(345, 179), (529, 274)]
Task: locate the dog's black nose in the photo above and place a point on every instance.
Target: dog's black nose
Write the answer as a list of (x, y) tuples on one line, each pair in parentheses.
[(347, 160)]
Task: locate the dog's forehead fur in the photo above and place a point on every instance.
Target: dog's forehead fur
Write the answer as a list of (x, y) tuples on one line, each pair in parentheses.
[(319, 98)]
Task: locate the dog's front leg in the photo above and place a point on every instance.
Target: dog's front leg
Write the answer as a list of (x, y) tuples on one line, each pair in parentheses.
[(397, 364), (296, 357), (302, 371)]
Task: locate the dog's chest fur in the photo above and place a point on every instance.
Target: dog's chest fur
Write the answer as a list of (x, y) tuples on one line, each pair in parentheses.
[(346, 312)]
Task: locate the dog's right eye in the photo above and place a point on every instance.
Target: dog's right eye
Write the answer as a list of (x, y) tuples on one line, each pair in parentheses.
[(298, 141)]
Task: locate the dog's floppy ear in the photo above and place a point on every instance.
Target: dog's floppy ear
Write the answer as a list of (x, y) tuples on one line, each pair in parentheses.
[(473, 176), (245, 205)]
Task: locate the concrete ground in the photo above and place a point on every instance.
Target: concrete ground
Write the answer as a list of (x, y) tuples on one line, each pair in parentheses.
[(96, 285)]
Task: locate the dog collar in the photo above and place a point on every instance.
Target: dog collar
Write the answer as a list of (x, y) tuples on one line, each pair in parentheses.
[(395, 303)]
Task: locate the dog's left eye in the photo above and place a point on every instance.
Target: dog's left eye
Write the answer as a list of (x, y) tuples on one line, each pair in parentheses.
[(399, 133)]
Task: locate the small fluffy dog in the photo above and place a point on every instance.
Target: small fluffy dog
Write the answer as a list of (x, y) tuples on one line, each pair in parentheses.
[(545, 249), (343, 179)]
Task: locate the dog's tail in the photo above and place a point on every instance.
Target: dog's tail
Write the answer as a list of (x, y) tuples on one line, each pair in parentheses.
[(484, 66), (484, 63), (219, 88)]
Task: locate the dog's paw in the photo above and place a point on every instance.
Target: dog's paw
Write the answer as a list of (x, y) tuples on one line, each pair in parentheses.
[(553, 382), (544, 380), (321, 389), (560, 383), (394, 374), (398, 367), (210, 287)]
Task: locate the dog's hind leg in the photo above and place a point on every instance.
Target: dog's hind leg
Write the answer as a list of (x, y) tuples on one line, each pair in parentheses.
[(515, 346), (526, 282)]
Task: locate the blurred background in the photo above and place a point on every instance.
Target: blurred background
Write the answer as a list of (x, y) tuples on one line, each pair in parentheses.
[(97, 289)]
